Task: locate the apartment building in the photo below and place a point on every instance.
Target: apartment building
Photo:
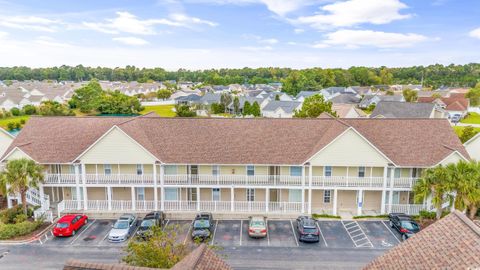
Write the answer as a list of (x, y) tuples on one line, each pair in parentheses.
[(272, 166)]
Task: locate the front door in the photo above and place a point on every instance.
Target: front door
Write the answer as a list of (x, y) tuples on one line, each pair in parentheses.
[(274, 195)]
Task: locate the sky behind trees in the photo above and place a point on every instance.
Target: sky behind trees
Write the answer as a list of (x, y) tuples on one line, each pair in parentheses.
[(202, 34)]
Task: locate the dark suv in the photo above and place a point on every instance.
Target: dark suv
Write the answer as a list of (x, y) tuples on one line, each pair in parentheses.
[(202, 226), (404, 224), (307, 229), (156, 218)]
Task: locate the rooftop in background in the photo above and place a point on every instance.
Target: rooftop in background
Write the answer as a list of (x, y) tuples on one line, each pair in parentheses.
[(393, 109)]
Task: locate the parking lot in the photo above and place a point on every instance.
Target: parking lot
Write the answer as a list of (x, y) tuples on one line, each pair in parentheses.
[(334, 234)]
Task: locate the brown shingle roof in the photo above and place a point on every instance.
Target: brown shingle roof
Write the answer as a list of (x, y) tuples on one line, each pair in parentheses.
[(202, 258), (81, 265), (406, 142), (453, 103), (450, 243)]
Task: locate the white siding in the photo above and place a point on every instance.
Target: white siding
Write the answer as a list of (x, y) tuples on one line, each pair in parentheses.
[(117, 148), (350, 149), (473, 147), (452, 158), (5, 141)]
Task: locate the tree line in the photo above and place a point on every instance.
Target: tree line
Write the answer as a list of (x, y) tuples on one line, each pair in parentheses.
[(309, 79)]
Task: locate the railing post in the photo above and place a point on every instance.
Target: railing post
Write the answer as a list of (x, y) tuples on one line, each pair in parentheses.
[(335, 195), (84, 182), (310, 180), (162, 187), (384, 190), (232, 207), (390, 197), (267, 199), (155, 191), (198, 199), (109, 198), (133, 199)]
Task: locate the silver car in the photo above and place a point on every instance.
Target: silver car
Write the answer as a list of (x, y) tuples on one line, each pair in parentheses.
[(123, 228)]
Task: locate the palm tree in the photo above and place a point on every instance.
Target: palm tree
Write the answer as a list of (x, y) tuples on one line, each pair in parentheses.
[(434, 183), (19, 176), (468, 187)]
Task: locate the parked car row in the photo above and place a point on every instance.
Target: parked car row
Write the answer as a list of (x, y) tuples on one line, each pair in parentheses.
[(202, 226)]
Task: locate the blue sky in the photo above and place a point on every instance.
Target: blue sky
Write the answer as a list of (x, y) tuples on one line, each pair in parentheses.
[(202, 34)]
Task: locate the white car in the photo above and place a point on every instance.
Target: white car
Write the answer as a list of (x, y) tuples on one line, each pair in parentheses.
[(123, 228)]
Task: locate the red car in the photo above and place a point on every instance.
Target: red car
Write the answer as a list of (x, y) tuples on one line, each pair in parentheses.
[(68, 225)]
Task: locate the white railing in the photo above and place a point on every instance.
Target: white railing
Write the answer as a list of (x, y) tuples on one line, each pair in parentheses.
[(119, 179), (403, 182), (120, 205), (51, 178), (249, 206), (409, 209), (216, 206), (97, 205), (346, 181), (180, 206), (145, 205), (44, 214), (245, 180), (285, 207)]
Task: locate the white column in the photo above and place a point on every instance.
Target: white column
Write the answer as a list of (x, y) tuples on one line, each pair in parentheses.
[(335, 195), (42, 195), (303, 189), (162, 188), (390, 195), (84, 184), (155, 191), (76, 168), (109, 197), (310, 179), (134, 203), (198, 198), (359, 202), (232, 195), (384, 190), (267, 199)]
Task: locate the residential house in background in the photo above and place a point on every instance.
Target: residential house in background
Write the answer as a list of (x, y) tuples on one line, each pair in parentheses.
[(395, 109), (454, 105), (473, 147), (265, 166), (281, 109), (348, 111), (375, 99)]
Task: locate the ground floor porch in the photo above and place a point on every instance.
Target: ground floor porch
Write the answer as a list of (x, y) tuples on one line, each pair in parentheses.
[(345, 203)]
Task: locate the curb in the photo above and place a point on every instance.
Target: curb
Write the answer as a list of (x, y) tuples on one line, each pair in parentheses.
[(38, 237)]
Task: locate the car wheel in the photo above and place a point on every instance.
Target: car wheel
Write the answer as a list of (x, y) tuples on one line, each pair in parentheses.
[(404, 237), (391, 224)]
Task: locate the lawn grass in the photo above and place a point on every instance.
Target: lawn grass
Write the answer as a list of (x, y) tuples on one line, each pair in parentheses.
[(472, 118), (4, 121), (162, 110), (459, 129)]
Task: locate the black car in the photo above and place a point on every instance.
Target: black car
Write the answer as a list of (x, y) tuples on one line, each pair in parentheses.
[(404, 224), (202, 226), (307, 229), (156, 218)]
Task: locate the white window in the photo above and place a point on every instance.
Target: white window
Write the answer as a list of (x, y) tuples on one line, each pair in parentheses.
[(171, 169), (294, 195), (72, 169), (171, 194), (215, 170), (192, 194), (215, 194), (139, 169), (361, 171), (250, 170), (328, 170), (250, 194), (397, 173), (107, 169), (327, 196), (295, 171), (140, 193)]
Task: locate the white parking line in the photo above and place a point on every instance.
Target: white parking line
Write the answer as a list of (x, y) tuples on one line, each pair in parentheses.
[(214, 231), (78, 235), (268, 234), (325, 241), (241, 230), (294, 234), (352, 227), (103, 239), (390, 230), (133, 234)]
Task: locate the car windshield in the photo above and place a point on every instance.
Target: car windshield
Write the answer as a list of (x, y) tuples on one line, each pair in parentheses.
[(411, 226), (147, 223), (121, 224), (310, 230), (201, 224), (62, 225), (257, 223)]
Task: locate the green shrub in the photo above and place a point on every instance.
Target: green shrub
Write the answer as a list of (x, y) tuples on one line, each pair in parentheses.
[(8, 231), (18, 125), (317, 216), (377, 216), (11, 125), (8, 216), (22, 121), (15, 111), (427, 214), (29, 109), (20, 218)]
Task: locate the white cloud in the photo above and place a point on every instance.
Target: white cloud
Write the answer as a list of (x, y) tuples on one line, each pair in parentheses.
[(279, 7), (354, 12), (359, 38), (298, 30), (48, 41), (261, 40), (30, 23), (126, 22), (3, 34), (131, 41), (475, 33), (257, 48)]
